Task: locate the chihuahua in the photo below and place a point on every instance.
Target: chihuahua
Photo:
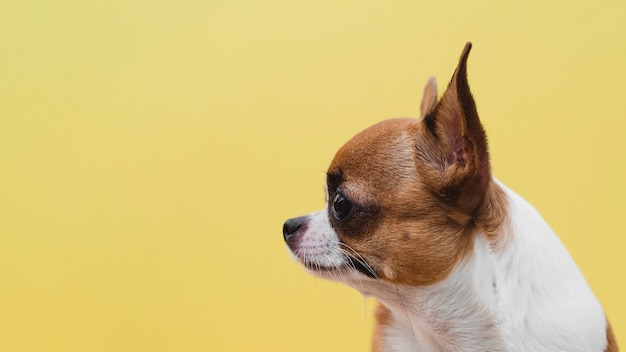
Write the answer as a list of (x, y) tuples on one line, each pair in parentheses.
[(455, 259)]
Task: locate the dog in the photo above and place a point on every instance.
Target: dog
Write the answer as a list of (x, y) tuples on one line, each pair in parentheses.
[(455, 259)]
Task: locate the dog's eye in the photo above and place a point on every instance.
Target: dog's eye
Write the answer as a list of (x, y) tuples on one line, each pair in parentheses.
[(341, 207)]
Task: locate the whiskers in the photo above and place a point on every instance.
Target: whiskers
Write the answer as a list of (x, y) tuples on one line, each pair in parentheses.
[(335, 261), (404, 309), (322, 262), (357, 262)]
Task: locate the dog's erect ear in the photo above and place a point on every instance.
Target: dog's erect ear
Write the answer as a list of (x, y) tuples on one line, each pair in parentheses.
[(429, 98), (457, 145)]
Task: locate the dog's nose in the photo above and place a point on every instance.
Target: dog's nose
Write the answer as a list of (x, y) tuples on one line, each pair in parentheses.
[(291, 226)]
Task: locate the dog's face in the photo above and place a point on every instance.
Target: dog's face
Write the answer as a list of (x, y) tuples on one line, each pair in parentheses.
[(402, 196)]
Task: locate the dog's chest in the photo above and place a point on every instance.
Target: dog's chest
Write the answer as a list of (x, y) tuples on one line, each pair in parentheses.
[(405, 336)]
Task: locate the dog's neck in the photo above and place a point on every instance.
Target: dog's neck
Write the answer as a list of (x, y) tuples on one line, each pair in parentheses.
[(498, 297), (456, 314)]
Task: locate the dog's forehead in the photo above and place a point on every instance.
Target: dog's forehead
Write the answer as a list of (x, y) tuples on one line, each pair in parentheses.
[(378, 153)]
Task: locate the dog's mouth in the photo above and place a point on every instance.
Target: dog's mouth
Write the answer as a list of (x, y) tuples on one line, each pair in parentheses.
[(362, 266), (351, 264)]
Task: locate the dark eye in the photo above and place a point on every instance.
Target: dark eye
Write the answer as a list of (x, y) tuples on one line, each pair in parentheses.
[(341, 207)]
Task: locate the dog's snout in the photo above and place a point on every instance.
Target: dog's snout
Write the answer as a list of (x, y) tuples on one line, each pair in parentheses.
[(292, 226)]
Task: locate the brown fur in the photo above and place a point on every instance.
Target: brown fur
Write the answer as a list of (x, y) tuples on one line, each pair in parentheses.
[(611, 343), (492, 217), (422, 188), (383, 320), (420, 243)]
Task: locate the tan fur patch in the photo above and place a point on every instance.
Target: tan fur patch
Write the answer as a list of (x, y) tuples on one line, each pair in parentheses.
[(611, 343), (383, 320), (492, 217)]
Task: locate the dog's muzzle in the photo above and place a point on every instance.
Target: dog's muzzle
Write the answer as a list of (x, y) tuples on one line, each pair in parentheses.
[(294, 229)]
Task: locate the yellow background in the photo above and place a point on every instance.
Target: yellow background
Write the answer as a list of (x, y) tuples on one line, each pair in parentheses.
[(151, 150)]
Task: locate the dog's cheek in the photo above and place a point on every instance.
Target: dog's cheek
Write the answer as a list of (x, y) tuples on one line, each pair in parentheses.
[(389, 273), (408, 252)]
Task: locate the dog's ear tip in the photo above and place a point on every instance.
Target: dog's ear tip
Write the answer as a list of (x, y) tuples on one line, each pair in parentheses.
[(465, 53), (429, 98)]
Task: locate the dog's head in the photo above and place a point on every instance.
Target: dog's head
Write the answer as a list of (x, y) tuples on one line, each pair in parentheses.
[(403, 195)]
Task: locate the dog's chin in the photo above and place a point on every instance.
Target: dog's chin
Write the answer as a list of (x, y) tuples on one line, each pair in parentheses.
[(351, 269), (341, 274)]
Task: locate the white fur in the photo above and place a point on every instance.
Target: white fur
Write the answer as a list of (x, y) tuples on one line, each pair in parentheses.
[(528, 295), (320, 244), (458, 314), (544, 301)]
